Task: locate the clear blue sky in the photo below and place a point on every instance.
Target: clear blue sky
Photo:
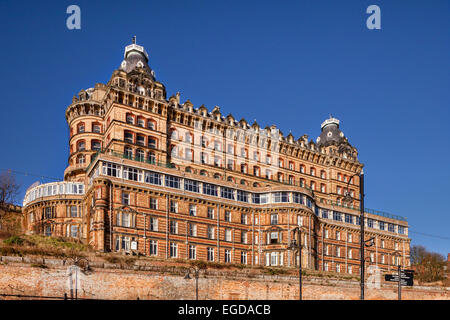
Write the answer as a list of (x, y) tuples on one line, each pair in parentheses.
[(288, 63)]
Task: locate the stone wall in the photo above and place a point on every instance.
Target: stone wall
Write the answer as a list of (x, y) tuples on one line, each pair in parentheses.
[(49, 277)]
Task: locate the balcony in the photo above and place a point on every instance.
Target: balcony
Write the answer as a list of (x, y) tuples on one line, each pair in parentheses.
[(53, 189)]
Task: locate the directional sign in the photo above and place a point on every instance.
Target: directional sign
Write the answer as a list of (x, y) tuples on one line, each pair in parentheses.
[(407, 278)]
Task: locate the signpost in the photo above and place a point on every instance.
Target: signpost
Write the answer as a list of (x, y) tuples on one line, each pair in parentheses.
[(406, 279)]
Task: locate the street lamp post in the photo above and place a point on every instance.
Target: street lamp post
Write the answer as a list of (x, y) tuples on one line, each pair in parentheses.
[(293, 245), (196, 272), (399, 272), (348, 198)]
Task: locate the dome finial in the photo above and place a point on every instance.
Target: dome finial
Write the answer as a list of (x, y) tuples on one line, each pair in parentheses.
[(133, 40)]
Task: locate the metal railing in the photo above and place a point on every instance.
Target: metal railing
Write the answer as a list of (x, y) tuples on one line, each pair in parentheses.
[(385, 214), (367, 210), (129, 157)]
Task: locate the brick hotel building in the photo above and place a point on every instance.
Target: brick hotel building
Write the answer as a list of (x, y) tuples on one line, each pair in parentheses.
[(159, 177)]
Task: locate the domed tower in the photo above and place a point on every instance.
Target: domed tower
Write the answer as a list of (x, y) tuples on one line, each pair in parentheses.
[(330, 133), (333, 140), (135, 56)]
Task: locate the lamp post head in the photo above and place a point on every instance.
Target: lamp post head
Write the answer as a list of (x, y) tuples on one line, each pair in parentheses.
[(293, 245), (347, 197)]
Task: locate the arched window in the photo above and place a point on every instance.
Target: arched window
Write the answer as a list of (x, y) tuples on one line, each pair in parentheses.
[(230, 179), (323, 188), (203, 141), (130, 118), (128, 152), (174, 151), (96, 127), (302, 168), (302, 182), (313, 185), (140, 155), (96, 145), (141, 122), (244, 182), (152, 142), (128, 136), (188, 169), (189, 154), (151, 124), (81, 145), (217, 176), (151, 157), (255, 184), (204, 158), (80, 127), (203, 173), (81, 159), (188, 137), (217, 145), (256, 171), (323, 175), (243, 168), (140, 140), (291, 179), (280, 177), (173, 134), (313, 171)]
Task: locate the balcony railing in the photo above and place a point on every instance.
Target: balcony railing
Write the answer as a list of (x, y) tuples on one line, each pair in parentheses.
[(130, 157), (367, 210), (384, 214)]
